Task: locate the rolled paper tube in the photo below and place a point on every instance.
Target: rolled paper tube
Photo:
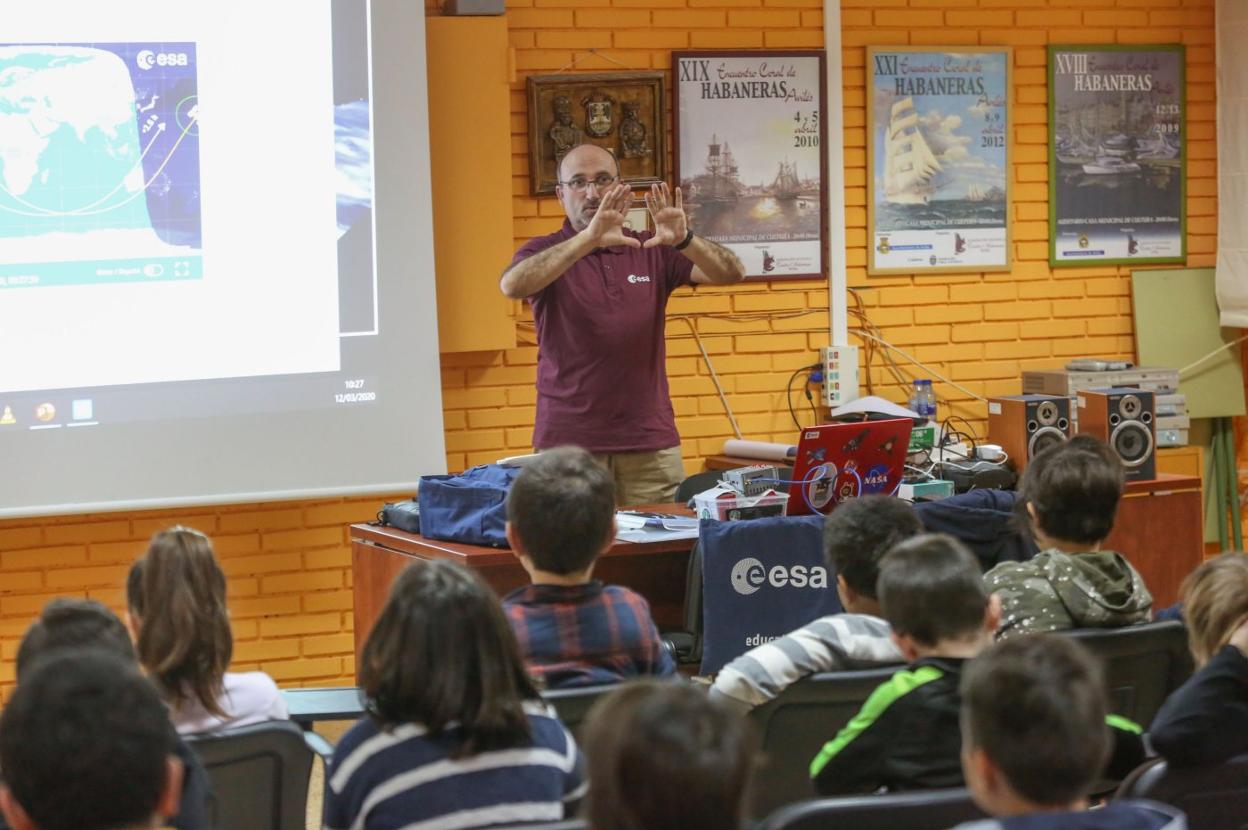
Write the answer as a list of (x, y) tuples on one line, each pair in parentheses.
[(763, 450)]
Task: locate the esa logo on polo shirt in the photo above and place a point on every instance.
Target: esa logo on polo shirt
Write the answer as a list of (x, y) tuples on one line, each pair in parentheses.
[(634, 278)]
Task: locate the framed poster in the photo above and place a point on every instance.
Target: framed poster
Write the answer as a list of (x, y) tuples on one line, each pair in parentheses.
[(750, 159), (1117, 178), (938, 158)]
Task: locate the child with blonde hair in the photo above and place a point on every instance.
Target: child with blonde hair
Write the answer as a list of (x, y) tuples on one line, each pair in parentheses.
[(1206, 720)]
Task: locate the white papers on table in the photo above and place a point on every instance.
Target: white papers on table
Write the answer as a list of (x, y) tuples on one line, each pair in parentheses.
[(639, 526)]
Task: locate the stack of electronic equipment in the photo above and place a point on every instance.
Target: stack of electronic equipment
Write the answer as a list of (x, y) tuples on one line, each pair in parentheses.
[(743, 493), (1132, 410), (1170, 406)]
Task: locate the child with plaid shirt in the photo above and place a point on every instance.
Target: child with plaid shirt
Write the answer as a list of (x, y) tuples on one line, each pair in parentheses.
[(573, 630)]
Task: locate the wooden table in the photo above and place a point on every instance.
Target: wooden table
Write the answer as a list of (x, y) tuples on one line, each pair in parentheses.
[(656, 570), (1159, 527)]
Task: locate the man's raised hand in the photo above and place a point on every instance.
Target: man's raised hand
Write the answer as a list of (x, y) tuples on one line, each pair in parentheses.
[(606, 229), (671, 226)]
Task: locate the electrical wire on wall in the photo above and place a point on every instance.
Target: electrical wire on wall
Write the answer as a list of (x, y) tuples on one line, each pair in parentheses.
[(788, 393), (710, 367), (875, 347)]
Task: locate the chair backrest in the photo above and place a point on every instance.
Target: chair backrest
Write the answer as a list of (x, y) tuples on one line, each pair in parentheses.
[(1143, 664), (796, 725), (685, 643), (761, 579), (696, 483), (572, 705), (930, 810), (259, 775), (1213, 797)]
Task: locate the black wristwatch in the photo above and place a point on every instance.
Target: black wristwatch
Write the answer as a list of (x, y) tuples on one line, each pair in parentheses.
[(684, 243)]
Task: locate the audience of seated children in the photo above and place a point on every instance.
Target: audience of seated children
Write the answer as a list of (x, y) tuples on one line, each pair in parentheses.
[(73, 624), (574, 630), (176, 598), (855, 536), (664, 757), (1033, 745), (86, 744), (906, 736), (456, 735), (1206, 720), (1070, 492)]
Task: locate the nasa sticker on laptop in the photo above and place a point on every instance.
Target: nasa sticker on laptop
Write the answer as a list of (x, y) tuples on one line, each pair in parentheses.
[(876, 479)]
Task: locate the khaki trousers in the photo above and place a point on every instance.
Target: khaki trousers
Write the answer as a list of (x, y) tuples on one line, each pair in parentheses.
[(644, 477)]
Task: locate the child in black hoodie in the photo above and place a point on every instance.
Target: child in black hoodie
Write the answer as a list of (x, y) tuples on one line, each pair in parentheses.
[(1033, 741)]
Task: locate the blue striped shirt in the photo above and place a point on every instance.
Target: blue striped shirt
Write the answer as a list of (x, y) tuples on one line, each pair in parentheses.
[(406, 778)]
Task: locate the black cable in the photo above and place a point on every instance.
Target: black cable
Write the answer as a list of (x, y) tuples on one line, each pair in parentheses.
[(811, 400), (970, 429), (788, 392), (944, 431)]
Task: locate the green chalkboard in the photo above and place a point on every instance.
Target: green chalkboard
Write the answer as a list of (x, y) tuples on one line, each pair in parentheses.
[(1176, 324)]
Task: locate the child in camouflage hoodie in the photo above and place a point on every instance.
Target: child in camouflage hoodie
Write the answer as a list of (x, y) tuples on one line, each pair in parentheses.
[(1070, 493)]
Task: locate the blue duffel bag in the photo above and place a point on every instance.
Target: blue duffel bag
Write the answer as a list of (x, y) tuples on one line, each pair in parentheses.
[(470, 507)]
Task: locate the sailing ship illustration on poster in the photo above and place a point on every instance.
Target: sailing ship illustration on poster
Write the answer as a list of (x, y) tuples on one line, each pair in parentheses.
[(786, 184), (938, 125), (719, 180), (908, 162)]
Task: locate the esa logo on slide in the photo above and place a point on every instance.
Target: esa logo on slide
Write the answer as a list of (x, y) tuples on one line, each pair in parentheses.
[(749, 575), (147, 59)]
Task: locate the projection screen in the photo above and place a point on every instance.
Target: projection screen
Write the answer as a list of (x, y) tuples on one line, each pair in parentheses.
[(216, 253)]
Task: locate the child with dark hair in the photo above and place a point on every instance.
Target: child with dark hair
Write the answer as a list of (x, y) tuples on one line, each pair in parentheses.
[(1034, 741), (664, 757), (86, 744), (176, 599), (1206, 720), (574, 630), (906, 735), (855, 537), (67, 624), (1070, 493), (456, 735)]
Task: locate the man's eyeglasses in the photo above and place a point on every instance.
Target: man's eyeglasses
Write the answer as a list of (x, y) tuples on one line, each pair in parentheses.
[(601, 183)]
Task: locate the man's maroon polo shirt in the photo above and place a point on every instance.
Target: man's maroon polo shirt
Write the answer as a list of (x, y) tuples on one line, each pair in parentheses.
[(601, 370)]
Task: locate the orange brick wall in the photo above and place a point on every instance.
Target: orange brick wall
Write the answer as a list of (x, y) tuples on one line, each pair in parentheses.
[(289, 563), (978, 330), (288, 566)]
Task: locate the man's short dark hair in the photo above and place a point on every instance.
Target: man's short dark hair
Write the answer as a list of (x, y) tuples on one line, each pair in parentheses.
[(931, 589), (858, 534), (1074, 488), (66, 623), (84, 743), (561, 506), (1036, 706)]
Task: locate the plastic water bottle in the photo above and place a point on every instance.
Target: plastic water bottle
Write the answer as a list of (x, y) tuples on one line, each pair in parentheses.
[(923, 399)]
